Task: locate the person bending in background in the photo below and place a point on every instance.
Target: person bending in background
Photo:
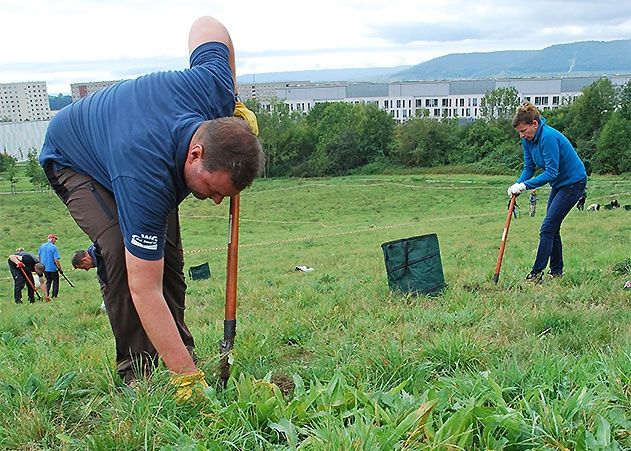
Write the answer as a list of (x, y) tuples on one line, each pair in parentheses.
[(22, 266), (49, 257), (89, 258), (546, 148), (122, 160)]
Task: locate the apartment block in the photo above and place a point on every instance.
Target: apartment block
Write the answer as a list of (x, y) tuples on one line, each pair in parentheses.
[(460, 99), (80, 90), (25, 101)]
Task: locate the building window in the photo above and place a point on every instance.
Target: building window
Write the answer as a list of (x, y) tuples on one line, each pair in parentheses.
[(555, 100)]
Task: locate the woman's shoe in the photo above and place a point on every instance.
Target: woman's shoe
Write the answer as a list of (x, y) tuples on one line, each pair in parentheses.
[(535, 278)]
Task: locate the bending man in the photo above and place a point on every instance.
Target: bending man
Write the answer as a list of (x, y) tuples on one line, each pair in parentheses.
[(122, 159)]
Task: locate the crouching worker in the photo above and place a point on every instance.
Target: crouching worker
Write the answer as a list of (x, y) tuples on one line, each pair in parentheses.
[(22, 266), (123, 159), (89, 258), (548, 149)]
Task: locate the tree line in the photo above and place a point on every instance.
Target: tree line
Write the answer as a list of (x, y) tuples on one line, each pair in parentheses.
[(342, 138)]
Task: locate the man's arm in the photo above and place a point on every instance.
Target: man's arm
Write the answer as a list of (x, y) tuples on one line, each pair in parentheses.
[(58, 264), (208, 29), (145, 284)]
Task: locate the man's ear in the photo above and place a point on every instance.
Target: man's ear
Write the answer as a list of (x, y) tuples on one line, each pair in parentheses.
[(195, 152)]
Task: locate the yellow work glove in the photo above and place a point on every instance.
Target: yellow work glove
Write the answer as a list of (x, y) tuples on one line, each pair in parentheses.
[(242, 111), (187, 384)]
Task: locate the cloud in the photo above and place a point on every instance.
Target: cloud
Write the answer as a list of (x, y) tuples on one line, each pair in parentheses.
[(494, 20), (90, 40)]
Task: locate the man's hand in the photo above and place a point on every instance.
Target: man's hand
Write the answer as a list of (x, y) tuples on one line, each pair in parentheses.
[(19, 264), (516, 189), (242, 111), (187, 384), (60, 271)]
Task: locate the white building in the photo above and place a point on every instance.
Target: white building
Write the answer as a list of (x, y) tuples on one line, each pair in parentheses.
[(403, 100), (17, 138), (25, 101), (79, 90)]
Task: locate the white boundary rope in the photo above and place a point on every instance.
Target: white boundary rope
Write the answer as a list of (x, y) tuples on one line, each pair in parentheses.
[(331, 235)]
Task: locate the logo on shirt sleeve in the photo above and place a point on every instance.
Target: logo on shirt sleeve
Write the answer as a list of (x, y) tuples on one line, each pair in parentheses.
[(149, 242)]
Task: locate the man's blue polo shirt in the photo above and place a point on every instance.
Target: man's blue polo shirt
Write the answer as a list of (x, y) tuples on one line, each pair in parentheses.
[(133, 138), (48, 253)]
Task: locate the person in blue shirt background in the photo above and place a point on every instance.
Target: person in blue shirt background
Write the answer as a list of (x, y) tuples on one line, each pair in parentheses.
[(123, 158), (49, 257), (547, 148)]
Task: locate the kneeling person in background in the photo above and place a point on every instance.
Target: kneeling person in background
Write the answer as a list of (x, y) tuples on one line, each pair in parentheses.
[(22, 266)]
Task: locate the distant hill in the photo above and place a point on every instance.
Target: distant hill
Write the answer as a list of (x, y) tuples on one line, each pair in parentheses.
[(324, 75), (578, 58), (585, 58)]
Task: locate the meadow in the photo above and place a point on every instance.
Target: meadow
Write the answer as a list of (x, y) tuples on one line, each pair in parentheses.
[(332, 359)]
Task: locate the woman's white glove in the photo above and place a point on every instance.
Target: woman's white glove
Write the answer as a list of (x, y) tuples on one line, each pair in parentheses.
[(516, 189)]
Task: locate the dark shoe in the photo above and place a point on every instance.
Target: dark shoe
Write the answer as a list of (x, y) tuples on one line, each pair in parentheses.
[(555, 275), (535, 278), (18, 301)]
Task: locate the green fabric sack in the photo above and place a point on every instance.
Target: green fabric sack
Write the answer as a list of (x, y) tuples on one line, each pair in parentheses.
[(199, 272), (413, 265)]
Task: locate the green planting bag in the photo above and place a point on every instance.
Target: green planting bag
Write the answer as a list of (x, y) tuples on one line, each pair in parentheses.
[(413, 265), (199, 272)]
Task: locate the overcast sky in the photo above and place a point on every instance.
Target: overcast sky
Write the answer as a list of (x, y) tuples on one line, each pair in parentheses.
[(68, 41)]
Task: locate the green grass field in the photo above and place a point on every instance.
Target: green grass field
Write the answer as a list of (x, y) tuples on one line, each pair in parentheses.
[(331, 359)]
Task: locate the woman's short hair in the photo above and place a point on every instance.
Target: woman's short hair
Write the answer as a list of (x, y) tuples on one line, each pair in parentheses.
[(526, 113)]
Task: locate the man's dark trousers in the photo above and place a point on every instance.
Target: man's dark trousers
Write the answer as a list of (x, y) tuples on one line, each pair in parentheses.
[(94, 210), (52, 280)]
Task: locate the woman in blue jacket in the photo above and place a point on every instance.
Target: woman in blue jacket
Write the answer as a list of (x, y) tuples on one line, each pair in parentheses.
[(548, 149)]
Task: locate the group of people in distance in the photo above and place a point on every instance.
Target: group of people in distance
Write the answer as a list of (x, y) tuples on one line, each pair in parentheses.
[(124, 158), (46, 265)]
